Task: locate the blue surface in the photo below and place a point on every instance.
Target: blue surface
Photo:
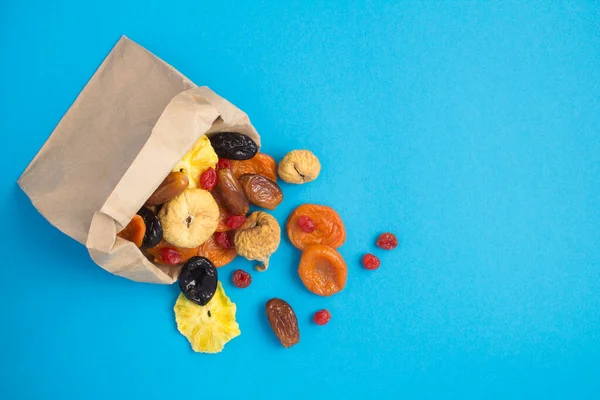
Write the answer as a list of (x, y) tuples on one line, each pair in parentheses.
[(472, 131)]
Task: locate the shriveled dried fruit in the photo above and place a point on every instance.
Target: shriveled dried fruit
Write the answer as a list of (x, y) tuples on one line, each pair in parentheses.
[(208, 179), (322, 270), (299, 166), (235, 221), (261, 191), (159, 252), (260, 164), (322, 317), (198, 280), (371, 261), (328, 229), (224, 163), (154, 230), (134, 231), (258, 238), (208, 328), (224, 240), (283, 321), (241, 279), (231, 193), (217, 254), (224, 213), (233, 145), (200, 157), (190, 218), (387, 241), (171, 186)]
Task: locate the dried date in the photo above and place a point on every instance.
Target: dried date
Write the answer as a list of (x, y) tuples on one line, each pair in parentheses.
[(283, 322), (174, 183), (261, 191), (231, 192)]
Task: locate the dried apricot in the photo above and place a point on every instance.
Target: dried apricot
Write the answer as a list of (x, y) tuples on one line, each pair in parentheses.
[(260, 164), (224, 214), (218, 255), (322, 270), (134, 231), (162, 256), (328, 229)]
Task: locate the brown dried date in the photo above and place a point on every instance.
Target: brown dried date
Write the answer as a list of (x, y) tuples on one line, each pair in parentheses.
[(283, 322), (261, 191), (174, 184), (231, 192)]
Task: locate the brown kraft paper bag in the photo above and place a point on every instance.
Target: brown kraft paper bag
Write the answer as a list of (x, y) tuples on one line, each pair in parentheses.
[(133, 121)]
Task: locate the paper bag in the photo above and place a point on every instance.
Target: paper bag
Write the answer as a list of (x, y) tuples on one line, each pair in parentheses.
[(133, 121)]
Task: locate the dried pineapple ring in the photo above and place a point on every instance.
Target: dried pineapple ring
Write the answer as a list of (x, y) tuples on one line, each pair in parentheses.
[(208, 328), (200, 158)]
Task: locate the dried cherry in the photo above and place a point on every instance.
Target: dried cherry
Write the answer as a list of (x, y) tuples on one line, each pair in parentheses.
[(224, 240), (371, 261), (241, 279), (208, 179), (183, 253), (387, 241), (322, 317), (235, 221), (306, 223)]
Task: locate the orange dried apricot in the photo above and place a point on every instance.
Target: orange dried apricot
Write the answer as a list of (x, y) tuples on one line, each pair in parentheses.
[(322, 270), (218, 255), (224, 214), (134, 231), (261, 164), (326, 227), (158, 253)]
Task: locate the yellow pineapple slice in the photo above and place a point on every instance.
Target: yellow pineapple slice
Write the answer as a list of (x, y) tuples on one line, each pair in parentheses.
[(200, 158)]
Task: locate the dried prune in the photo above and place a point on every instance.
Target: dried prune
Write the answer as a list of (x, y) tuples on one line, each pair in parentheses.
[(261, 191), (174, 183), (233, 145), (231, 192), (283, 321), (198, 280), (154, 231)]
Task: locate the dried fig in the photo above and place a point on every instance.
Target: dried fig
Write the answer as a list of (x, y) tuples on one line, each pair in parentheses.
[(261, 191), (283, 321), (174, 184), (231, 193), (258, 238), (299, 166)]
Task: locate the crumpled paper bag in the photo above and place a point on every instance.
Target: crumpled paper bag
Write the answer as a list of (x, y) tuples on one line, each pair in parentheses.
[(133, 121)]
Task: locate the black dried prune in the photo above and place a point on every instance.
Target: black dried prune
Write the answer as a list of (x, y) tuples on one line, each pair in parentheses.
[(198, 280), (233, 145), (154, 231)]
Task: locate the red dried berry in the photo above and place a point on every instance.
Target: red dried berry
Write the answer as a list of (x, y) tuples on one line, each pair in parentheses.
[(387, 241), (322, 317), (241, 279), (208, 179), (224, 164), (223, 240), (370, 261), (170, 256), (235, 221), (306, 223)]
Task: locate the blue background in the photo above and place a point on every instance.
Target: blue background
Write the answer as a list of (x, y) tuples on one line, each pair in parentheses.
[(473, 131)]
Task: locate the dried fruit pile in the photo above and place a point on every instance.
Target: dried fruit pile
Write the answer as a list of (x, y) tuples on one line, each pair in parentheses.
[(198, 219)]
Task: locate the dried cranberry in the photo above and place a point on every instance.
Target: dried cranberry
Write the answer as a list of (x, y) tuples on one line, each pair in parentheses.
[(235, 221), (208, 179), (322, 317), (387, 241), (306, 223), (241, 279), (370, 261), (223, 240), (224, 164), (170, 256)]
